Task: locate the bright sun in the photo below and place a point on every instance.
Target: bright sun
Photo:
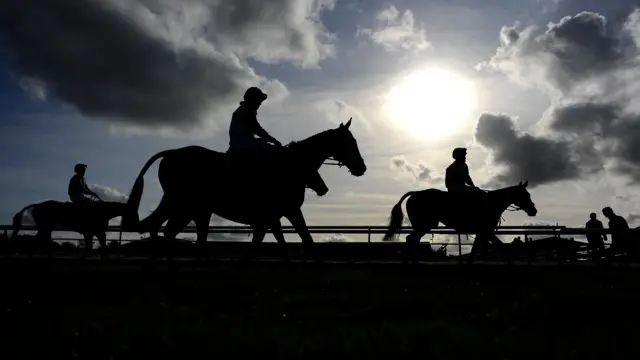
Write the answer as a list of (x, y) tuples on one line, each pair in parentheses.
[(431, 103)]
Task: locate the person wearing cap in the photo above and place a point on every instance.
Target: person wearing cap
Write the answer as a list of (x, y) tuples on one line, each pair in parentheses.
[(244, 125), (78, 186), (457, 178)]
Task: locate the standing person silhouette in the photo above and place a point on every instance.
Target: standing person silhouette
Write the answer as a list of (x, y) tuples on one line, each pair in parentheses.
[(595, 240), (619, 233)]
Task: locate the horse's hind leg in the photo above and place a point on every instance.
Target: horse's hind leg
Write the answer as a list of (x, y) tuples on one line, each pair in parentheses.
[(104, 250), (88, 244), (412, 243), (171, 230), (202, 228)]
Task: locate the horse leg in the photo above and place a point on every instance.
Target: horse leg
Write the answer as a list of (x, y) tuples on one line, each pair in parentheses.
[(259, 232), (482, 239), (474, 249), (276, 228), (171, 230), (412, 244), (504, 250), (297, 220), (88, 244), (202, 228), (153, 223), (104, 251)]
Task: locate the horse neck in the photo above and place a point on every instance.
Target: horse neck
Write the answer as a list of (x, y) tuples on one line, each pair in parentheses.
[(111, 209), (502, 199), (312, 151)]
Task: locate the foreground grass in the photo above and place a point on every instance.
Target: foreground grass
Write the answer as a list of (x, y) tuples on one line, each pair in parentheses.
[(86, 309)]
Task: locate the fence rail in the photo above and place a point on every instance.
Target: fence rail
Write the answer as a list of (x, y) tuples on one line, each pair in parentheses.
[(366, 229), (550, 231)]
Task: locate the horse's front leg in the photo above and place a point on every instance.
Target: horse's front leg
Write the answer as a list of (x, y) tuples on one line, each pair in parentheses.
[(506, 250), (276, 228), (296, 219), (259, 232)]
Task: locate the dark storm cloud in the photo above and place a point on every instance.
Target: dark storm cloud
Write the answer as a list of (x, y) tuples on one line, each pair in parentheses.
[(154, 63), (527, 157), (591, 69)]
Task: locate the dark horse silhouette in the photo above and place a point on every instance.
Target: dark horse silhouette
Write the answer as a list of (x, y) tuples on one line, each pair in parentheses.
[(197, 182), (427, 208), (179, 221), (87, 219)]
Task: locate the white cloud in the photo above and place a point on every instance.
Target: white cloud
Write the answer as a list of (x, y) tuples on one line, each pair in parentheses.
[(108, 194), (395, 32), (419, 172)]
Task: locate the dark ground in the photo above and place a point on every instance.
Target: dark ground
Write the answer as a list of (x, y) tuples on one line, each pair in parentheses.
[(85, 309)]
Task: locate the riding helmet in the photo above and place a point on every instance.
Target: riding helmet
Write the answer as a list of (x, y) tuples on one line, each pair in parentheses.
[(459, 152), (79, 166), (253, 93)]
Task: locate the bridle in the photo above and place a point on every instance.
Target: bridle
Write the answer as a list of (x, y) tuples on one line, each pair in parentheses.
[(334, 163)]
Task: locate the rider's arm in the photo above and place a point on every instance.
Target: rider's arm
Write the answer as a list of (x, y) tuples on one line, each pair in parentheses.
[(259, 130), (88, 191), (467, 176)]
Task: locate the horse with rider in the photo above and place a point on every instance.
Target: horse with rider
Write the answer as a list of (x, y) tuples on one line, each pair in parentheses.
[(463, 207), (85, 213)]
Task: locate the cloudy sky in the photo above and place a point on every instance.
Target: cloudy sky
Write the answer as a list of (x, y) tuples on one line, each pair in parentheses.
[(544, 91)]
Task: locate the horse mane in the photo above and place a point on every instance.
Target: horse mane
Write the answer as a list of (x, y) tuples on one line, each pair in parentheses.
[(296, 143)]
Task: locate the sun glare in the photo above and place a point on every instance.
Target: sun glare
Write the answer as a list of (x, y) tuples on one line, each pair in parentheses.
[(432, 103)]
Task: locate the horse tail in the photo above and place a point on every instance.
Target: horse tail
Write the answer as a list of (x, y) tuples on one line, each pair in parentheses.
[(395, 220), (135, 196), (17, 220)]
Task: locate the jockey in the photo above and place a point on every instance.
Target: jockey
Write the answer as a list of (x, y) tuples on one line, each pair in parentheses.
[(457, 178), (78, 187), (244, 125)]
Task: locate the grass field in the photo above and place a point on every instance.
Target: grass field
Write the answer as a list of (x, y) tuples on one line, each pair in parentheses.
[(68, 309)]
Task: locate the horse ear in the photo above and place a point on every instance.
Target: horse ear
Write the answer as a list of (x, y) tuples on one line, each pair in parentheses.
[(524, 184), (348, 123)]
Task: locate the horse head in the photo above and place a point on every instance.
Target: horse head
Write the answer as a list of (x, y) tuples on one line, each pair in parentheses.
[(344, 149), (522, 199), (316, 184)]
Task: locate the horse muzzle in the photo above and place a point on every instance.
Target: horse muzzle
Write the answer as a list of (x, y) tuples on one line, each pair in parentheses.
[(358, 170)]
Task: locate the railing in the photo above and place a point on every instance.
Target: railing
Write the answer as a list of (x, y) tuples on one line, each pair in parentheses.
[(556, 231)]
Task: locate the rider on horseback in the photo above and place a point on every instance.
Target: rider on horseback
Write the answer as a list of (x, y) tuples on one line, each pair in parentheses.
[(457, 178), (244, 125), (78, 187)]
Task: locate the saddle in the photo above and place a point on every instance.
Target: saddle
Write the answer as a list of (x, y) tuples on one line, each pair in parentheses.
[(259, 157), (466, 200)]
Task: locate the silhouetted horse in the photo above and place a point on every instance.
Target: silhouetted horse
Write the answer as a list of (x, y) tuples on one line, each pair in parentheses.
[(87, 219), (427, 208), (181, 220), (256, 191)]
